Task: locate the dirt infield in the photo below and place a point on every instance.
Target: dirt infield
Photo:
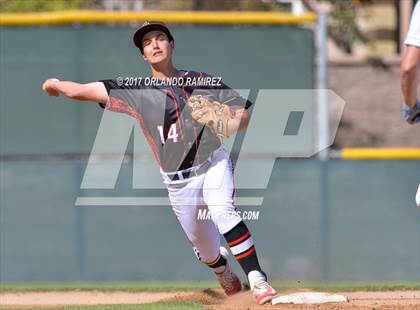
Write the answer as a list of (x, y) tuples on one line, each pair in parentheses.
[(213, 299)]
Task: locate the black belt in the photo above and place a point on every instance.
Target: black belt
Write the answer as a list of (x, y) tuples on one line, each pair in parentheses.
[(191, 172)]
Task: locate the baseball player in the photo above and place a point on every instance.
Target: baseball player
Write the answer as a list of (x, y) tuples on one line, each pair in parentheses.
[(410, 76), (184, 126)]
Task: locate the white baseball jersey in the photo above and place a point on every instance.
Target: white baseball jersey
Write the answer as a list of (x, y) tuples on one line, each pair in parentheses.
[(413, 35)]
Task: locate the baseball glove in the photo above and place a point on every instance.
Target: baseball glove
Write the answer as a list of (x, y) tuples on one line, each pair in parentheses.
[(212, 114)]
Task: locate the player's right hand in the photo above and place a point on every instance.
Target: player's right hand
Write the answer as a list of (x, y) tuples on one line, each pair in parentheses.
[(48, 87)]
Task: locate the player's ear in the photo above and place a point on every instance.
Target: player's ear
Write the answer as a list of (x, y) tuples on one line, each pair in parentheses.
[(144, 57), (173, 44)]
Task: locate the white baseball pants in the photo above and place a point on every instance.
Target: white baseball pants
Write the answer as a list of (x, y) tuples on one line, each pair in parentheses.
[(211, 192)]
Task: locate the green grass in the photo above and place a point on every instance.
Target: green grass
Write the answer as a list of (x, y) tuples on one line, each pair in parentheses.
[(197, 286), (184, 305), (107, 286), (185, 286)]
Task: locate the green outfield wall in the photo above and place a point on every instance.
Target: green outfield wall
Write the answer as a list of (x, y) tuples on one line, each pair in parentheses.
[(250, 57), (340, 221)]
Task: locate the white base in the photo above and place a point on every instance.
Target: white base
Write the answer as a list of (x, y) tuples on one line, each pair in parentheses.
[(308, 298)]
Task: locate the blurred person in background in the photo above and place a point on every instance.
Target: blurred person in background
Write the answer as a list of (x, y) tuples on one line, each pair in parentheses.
[(410, 75)]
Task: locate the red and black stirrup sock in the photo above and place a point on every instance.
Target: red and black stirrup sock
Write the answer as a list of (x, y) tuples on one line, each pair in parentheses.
[(242, 247), (218, 265)]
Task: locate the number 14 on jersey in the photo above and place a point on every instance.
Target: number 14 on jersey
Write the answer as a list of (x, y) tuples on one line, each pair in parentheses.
[(172, 133)]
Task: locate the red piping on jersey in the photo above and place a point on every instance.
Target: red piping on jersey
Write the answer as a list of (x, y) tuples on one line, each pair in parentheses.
[(247, 253), (239, 240), (118, 105), (195, 130), (195, 133), (177, 113)]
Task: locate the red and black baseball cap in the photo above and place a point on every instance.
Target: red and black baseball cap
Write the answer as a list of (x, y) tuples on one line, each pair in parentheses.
[(146, 27)]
